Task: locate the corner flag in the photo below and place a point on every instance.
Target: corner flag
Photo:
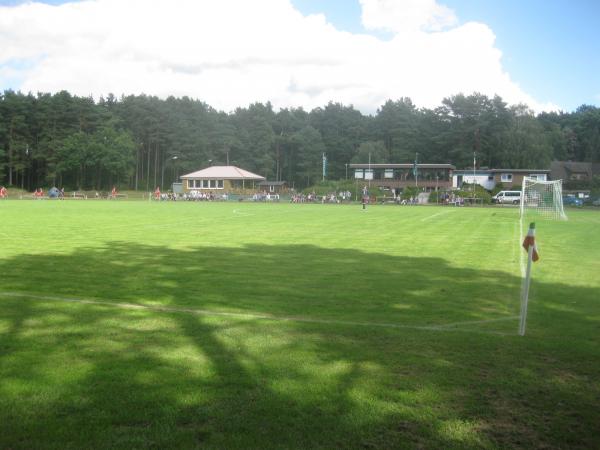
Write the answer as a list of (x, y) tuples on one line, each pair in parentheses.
[(532, 255), (530, 241)]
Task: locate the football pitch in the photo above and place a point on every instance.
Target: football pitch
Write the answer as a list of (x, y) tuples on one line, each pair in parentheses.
[(242, 325)]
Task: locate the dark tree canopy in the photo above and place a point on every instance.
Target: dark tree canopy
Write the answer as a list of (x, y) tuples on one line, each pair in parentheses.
[(139, 142)]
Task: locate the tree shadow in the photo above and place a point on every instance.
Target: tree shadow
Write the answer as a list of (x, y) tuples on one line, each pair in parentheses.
[(87, 375)]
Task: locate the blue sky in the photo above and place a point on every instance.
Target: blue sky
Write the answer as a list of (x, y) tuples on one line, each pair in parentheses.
[(550, 52), (551, 48)]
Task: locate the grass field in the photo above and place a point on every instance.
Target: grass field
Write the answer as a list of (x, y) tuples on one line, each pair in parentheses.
[(234, 325)]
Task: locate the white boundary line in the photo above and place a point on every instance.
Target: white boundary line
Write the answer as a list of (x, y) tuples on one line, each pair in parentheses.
[(204, 312), (437, 214), (240, 213)]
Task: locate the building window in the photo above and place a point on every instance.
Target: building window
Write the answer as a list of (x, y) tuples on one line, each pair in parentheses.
[(205, 184), (538, 176), (389, 173), (358, 173), (219, 184), (506, 178), (368, 174)]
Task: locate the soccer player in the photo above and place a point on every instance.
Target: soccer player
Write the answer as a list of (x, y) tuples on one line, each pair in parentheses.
[(157, 193), (113, 193), (3, 192)]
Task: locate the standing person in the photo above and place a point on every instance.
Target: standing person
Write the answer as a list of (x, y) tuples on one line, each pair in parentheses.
[(365, 197), (113, 193), (157, 193), (3, 192)]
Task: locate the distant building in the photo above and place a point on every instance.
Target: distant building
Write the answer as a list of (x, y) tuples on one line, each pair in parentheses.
[(221, 179), (482, 177), (399, 176), (273, 187), (490, 178), (573, 170)]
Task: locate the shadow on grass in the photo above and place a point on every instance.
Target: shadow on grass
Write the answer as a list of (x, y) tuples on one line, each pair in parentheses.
[(81, 375)]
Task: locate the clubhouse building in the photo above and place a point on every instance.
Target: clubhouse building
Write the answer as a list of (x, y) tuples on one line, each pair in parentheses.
[(225, 179), (396, 177)]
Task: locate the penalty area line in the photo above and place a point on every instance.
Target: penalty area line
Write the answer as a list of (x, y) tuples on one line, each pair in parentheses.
[(258, 316), (441, 213)]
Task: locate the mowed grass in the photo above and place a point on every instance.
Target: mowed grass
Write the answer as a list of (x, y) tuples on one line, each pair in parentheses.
[(294, 326)]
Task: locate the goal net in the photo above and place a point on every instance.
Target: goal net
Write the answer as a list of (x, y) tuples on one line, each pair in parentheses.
[(542, 198)]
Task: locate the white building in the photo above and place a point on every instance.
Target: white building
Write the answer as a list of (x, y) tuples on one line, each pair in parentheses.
[(489, 178), (484, 178)]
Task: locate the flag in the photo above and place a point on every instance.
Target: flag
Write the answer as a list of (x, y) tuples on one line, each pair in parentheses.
[(530, 241), (415, 165)]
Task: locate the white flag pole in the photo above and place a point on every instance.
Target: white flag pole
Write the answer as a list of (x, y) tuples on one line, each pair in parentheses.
[(526, 284)]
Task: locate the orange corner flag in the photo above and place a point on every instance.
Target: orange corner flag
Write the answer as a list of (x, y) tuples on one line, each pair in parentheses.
[(530, 241)]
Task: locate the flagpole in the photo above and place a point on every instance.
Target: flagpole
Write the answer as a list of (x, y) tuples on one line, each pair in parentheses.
[(474, 165), (526, 284), (416, 170)]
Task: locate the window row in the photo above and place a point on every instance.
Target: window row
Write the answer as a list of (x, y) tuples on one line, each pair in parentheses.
[(400, 174), (205, 184)]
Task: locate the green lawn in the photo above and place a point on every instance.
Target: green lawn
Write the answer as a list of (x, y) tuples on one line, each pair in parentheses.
[(238, 325)]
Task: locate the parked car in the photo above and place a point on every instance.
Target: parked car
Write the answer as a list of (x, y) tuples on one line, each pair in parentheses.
[(596, 202), (509, 197), (571, 200)]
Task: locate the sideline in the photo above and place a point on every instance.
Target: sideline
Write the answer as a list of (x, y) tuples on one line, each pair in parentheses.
[(437, 214), (204, 312)]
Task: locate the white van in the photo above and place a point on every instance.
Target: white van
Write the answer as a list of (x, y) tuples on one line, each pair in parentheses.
[(504, 197)]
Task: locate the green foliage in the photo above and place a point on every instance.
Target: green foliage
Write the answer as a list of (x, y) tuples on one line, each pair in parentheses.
[(497, 188), (410, 191), (371, 151), (467, 192), (329, 186), (46, 137)]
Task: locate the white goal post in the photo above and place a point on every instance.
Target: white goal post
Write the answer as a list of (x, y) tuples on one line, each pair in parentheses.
[(543, 198)]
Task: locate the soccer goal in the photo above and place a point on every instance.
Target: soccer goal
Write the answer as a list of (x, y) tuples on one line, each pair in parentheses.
[(543, 198)]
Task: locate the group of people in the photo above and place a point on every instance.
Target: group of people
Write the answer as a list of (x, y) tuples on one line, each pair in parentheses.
[(452, 199), (192, 196), (38, 193), (199, 196), (331, 197), (265, 196)]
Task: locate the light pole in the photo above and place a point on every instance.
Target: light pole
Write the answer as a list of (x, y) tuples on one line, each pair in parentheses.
[(370, 173), (162, 174), (346, 170)]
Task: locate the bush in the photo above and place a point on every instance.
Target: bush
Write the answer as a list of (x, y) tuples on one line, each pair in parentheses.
[(409, 191), (329, 186), (480, 192), (499, 187)]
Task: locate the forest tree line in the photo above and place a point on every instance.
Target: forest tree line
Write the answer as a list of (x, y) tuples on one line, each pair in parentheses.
[(139, 142)]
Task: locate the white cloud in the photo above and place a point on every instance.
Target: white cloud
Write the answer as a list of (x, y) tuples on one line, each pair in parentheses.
[(406, 15), (230, 53)]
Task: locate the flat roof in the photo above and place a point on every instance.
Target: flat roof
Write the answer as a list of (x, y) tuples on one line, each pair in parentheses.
[(521, 170), (401, 166)]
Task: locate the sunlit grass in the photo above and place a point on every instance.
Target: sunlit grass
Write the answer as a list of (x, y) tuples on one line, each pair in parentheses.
[(386, 328)]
